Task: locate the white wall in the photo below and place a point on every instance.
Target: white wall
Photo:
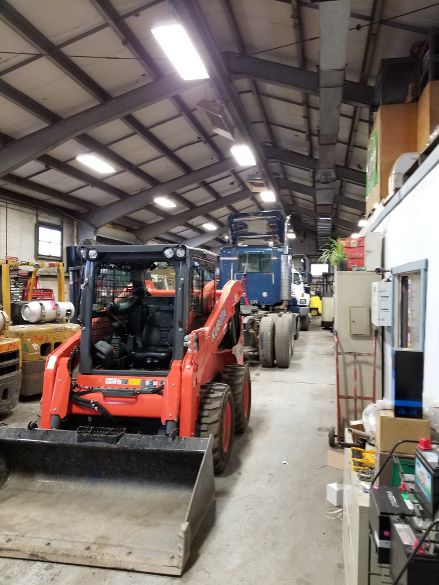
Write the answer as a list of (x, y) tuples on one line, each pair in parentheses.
[(17, 229), (17, 234), (411, 233)]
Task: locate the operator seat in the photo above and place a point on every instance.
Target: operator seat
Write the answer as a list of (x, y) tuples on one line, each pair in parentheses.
[(158, 337)]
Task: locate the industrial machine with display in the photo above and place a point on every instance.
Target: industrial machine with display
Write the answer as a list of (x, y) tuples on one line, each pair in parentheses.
[(258, 254), (138, 409)]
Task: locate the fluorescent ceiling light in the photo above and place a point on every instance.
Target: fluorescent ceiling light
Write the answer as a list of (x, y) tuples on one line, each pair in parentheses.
[(267, 196), (243, 155), (355, 235), (164, 202), (180, 50), (209, 226), (96, 163), (291, 235), (362, 222)]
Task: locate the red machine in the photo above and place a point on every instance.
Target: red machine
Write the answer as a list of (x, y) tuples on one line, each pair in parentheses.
[(137, 409)]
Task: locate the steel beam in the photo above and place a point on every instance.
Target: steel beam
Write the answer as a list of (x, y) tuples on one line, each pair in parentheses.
[(139, 200), (286, 75), (301, 161), (149, 232), (33, 145), (308, 190), (204, 238), (419, 30), (191, 14)]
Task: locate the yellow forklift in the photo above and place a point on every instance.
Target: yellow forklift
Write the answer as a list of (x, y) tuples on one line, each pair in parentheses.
[(21, 296), (10, 367)]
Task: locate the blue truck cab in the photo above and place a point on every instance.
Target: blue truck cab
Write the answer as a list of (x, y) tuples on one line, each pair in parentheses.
[(258, 254)]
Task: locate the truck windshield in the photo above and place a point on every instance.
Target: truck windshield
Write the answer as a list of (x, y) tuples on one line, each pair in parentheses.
[(254, 262)]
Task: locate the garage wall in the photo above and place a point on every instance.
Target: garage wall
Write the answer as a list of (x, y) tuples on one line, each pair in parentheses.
[(17, 235), (17, 229), (411, 232)]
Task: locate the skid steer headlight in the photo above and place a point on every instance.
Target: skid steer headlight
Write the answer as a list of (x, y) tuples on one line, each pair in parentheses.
[(180, 252), (83, 253), (168, 252), (92, 254)]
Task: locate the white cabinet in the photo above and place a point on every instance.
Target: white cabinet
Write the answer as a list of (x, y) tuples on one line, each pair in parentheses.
[(382, 303)]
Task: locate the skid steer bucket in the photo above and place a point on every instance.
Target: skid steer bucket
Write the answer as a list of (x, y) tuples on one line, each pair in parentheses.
[(104, 499)]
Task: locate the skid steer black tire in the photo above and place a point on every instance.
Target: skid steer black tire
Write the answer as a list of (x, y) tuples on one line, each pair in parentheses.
[(304, 323), (238, 378), (216, 415), (266, 342), (283, 340)]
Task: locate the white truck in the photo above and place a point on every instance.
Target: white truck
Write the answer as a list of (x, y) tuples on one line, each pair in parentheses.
[(301, 293)]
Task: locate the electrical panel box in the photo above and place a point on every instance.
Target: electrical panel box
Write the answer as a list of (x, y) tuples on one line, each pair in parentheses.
[(359, 321), (382, 303)]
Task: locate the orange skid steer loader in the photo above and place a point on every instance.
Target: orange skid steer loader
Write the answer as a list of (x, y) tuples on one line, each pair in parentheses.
[(138, 409)]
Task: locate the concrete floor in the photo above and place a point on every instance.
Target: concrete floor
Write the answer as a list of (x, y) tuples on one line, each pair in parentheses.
[(272, 524)]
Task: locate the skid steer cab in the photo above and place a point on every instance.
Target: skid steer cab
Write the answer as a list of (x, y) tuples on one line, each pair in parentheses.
[(137, 410)]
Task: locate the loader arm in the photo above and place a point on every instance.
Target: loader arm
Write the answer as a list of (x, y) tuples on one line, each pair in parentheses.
[(205, 358), (57, 380)]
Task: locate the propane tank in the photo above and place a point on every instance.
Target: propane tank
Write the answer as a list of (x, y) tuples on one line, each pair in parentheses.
[(47, 311), (66, 310), (4, 320), (40, 311)]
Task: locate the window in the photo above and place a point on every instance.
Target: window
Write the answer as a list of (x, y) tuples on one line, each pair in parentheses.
[(49, 241), (409, 316), (297, 279), (202, 292), (254, 262)]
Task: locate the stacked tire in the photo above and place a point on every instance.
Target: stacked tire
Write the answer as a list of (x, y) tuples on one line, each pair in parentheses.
[(276, 340)]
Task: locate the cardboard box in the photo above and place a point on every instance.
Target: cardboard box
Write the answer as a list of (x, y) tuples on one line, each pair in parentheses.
[(428, 113), (394, 132), (390, 430)]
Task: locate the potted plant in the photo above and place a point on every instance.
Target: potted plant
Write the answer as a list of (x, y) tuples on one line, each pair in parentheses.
[(334, 254)]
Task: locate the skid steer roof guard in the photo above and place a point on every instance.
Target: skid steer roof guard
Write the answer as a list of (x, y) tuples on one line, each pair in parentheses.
[(130, 502)]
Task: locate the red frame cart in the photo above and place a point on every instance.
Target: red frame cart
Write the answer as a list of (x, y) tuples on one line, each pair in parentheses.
[(336, 434)]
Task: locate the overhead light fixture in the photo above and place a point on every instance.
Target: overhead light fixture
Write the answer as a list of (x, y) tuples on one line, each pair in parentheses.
[(355, 235), (165, 202), (267, 196), (180, 50), (96, 163), (291, 235), (226, 238), (243, 155), (362, 222), (209, 226)]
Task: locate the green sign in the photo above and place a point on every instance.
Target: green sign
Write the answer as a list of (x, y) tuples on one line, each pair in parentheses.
[(372, 163)]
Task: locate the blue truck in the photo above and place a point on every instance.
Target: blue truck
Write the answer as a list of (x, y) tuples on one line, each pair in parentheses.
[(258, 254)]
